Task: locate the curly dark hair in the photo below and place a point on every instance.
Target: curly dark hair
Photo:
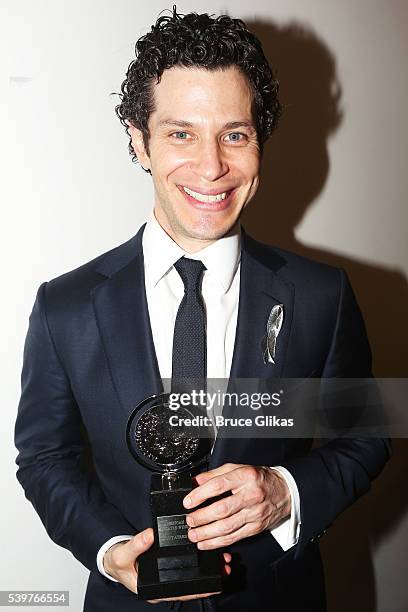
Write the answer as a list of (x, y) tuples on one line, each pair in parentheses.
[(202, 41)]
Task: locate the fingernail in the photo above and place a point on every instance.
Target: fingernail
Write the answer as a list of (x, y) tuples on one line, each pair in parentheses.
[(187, 502)]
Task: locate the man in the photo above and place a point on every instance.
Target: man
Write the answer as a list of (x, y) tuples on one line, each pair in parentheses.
[(199, 101)]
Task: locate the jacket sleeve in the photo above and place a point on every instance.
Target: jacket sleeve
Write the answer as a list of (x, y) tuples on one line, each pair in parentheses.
[(330, 478), (49, 438)]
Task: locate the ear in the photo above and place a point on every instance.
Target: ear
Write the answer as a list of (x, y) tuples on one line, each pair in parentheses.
[(138, 146)]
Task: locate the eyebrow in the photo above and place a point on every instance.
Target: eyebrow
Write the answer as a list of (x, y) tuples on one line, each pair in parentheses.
[(230, 125)]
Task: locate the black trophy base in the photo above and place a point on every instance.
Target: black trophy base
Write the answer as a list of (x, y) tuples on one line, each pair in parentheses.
[(174, 566)]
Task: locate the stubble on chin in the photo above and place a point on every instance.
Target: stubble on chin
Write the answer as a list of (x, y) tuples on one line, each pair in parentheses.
[(205, 228), (209, 229)]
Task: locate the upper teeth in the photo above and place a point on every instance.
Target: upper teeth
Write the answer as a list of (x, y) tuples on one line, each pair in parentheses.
[(206, 198)]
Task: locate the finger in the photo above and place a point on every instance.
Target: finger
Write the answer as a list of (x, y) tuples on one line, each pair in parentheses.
[(140, 543), (223, 469), (184, 597), (218, 528), (227, 540), (227, 557), (216, 486), (216, 511)]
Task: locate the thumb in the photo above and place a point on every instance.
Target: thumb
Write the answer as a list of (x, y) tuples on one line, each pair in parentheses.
[(141, 542)]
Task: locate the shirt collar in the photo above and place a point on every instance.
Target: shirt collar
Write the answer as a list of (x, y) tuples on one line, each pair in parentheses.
[(221, 258)]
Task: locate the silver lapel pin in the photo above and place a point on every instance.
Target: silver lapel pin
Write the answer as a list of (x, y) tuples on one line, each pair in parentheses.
[(273, 328)]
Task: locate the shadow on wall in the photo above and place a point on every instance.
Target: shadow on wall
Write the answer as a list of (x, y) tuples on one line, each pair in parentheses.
[(295, 169)]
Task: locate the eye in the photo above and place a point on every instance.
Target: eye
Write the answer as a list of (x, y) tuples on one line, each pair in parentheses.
[(180, 135), (235, 137)]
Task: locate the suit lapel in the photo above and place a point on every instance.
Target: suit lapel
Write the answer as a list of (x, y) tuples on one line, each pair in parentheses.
[(121, 311), (122, 315), (261, 289)]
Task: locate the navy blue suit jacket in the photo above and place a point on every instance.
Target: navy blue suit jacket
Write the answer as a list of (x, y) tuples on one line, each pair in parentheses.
[(89, 359)]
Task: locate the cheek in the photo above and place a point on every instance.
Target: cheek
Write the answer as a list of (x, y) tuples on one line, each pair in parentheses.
[(249, 167), (167, 161), (177, 164)]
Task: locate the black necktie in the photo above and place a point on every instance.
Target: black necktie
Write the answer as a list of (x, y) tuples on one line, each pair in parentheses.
[(189, 342)]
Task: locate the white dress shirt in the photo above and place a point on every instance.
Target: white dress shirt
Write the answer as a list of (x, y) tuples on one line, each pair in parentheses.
[(220, 291)]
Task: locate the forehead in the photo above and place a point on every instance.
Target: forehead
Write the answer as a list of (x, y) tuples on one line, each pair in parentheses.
[(203, 95)]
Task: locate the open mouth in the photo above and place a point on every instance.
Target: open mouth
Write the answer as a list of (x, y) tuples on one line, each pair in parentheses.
[(217, 201)]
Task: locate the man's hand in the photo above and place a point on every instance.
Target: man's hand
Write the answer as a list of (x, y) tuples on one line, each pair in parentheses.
[(120, 562), (260, 500)]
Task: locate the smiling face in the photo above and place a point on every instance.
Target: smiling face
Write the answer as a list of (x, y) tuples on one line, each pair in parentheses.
[(203, 153)]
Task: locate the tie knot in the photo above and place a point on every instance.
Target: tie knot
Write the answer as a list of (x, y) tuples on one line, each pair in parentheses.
[(191, 271)]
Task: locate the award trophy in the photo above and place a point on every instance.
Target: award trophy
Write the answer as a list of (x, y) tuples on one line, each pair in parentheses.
[(173, 566)]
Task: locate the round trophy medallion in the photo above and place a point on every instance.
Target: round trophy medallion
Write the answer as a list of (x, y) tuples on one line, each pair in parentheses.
[(161, 445), (160, 442)]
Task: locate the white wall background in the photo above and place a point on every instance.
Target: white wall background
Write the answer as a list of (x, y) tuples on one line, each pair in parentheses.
[(70, 192)]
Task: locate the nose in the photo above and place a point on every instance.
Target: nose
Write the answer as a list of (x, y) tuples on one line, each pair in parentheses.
[(210, 162)]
